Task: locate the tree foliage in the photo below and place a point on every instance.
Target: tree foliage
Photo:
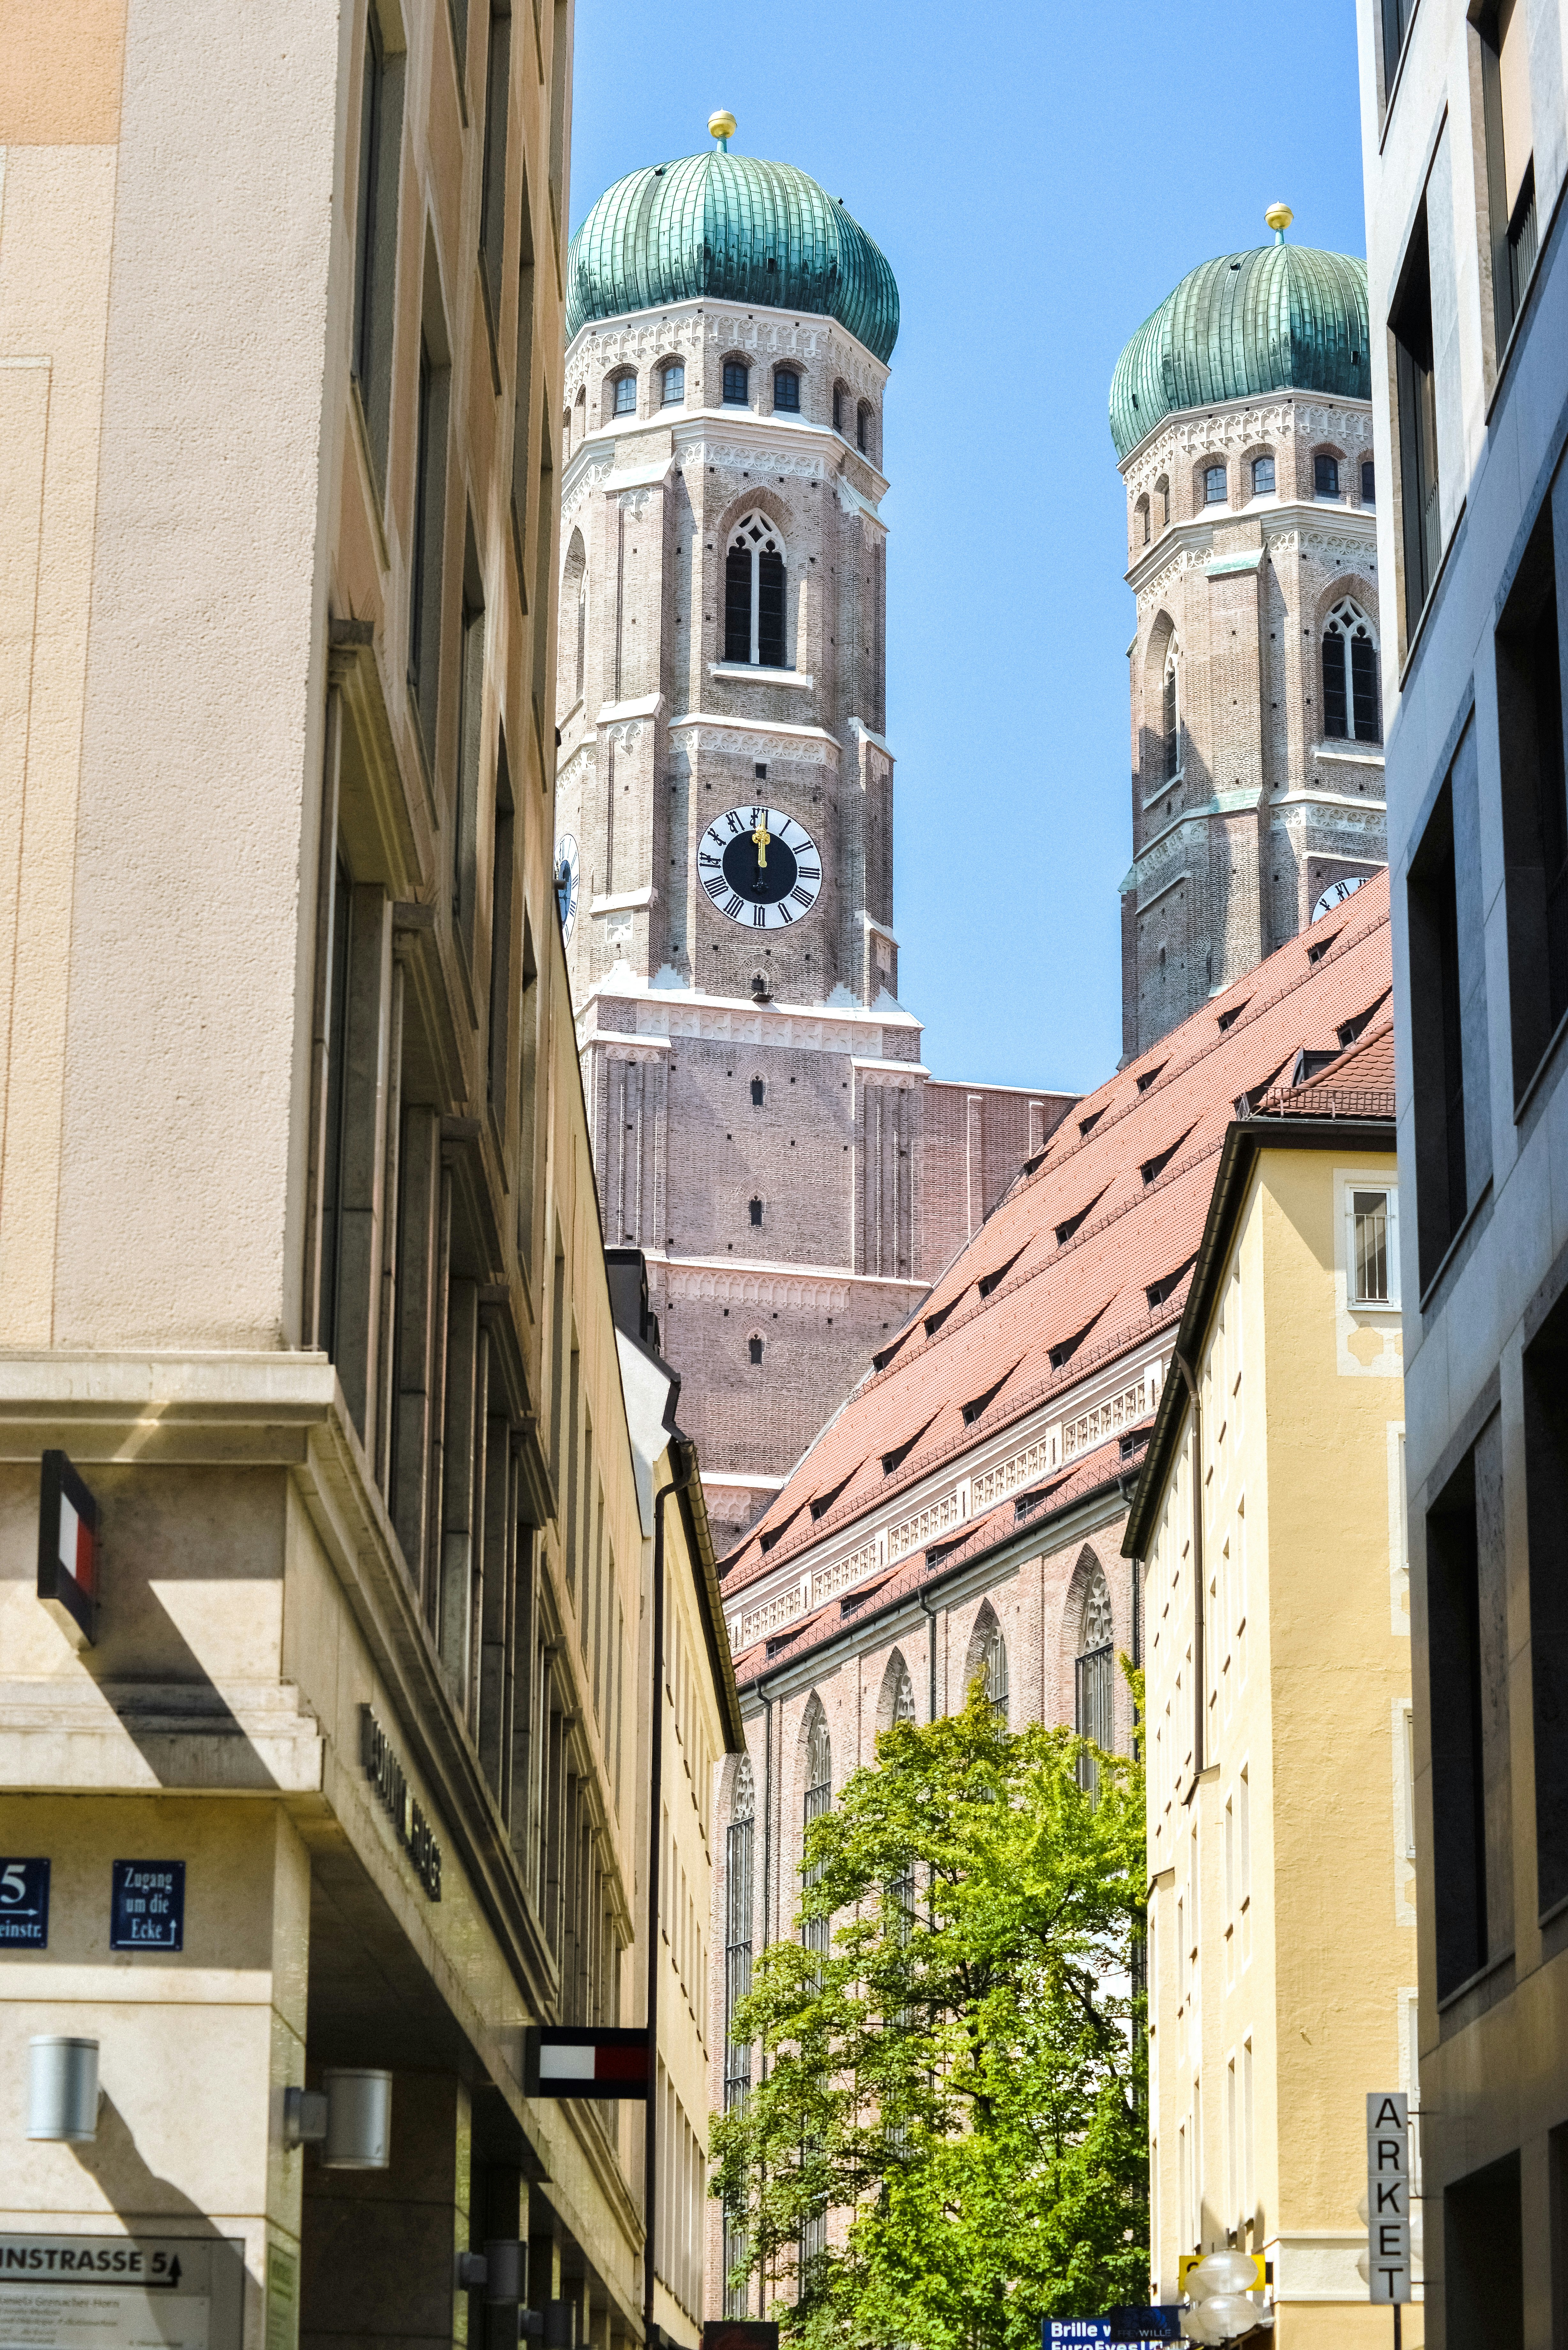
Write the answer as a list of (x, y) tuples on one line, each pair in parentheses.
[(958, 2082)]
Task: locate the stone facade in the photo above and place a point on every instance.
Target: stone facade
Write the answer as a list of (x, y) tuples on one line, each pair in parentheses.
[(762, 1124), (1244, 812)]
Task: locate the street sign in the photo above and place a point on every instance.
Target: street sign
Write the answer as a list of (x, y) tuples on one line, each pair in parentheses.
[(25, 1905), (1074, 2329), (122, 2292), (1389, 2195), (147, 1905)]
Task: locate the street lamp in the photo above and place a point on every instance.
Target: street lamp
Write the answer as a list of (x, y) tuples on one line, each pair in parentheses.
[(1218, 2287)]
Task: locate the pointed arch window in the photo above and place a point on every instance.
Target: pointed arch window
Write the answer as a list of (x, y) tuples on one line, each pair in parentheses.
[(1162, 492), (674, 383), (738, 1905), (817, 1799), (1350, 698), (1170, 715), (993, 1669), (903, 1696), (754, 594), (1093, 1669)]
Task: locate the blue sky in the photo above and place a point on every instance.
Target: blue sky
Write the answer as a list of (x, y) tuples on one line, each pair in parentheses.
[(1040, 176)]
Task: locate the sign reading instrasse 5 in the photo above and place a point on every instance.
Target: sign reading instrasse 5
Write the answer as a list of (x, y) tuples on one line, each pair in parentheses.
[(121, 2292)]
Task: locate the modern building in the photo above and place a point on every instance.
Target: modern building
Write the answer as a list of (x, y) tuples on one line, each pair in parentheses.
[(1241, 416), (323, 1747), (764, 1127), (1465, 142), (1269, 1527), (963, 1512)]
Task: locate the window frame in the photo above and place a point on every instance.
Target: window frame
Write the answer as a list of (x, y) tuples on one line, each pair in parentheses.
[(783, 375), (728, 398), (1210, 496), (1325, 462), (1357, 1187), (668, 399), (1259, 489), (765, 543)]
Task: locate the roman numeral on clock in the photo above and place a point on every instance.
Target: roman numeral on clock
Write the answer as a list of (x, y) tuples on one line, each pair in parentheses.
[(811, 872), (801, 896), (703, 859), (759, 917), (733, 908), (716, 890)]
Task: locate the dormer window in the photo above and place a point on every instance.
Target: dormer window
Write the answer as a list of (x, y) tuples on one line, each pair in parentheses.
[(1262, 477), (787, 391), (1214, 485), (625, 395), (737, 383), (674, 383), (1326, 476)]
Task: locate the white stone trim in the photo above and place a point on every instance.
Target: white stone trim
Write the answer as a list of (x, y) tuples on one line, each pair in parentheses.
[(753, 674), (736, 725), (625, 901)]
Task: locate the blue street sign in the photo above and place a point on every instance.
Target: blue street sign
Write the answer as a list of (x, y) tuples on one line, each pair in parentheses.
[(1074, 2329), (147, 1905), (23, 1904)]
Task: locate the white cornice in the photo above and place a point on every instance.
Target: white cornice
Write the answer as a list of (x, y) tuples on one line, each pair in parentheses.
[(1288, 397), (740, 725), (1278, 516)]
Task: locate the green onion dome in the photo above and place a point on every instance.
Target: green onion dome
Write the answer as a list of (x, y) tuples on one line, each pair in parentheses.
[(1279, 318), (734, 229)]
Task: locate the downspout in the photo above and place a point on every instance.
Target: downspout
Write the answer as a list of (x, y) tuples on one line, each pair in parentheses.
[(683, 1459), (1199, 1669)]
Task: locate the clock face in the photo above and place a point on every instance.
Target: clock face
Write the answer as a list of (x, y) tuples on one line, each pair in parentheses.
[(760, 868), (1336, 895), (566, 885)]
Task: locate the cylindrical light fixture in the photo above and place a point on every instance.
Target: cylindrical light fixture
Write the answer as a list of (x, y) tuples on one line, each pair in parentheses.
[(62, 2089), (358, 2119), (503, 2265)]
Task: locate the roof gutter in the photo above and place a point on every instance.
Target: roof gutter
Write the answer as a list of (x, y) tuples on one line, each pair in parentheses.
[(694, 1511)]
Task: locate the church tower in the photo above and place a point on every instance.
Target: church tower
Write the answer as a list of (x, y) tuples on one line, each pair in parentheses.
[(764, 1126), (1241, 416)]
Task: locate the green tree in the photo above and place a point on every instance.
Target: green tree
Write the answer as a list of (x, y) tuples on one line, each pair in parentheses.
[(960, 2080)]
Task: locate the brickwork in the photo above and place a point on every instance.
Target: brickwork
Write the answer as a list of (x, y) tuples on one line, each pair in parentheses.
[(1233, 850)]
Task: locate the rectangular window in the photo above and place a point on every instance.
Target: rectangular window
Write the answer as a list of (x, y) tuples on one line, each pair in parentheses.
[(1262, 477), (1467, 1661), (1248, 2195), (1546, 1504), (1214, 485), (1232, 2143), (339, 922), (1453, 1138), (498, 1044), (1396, 16), (471, 713), (1325, 477), (1410, 323), (429, 548), (1530, 708), (522, 389), (1171, 728), (1374, 1247), (1483, 2257), (492, 184), (376, 234), (1244, 1838), (1510, 158)]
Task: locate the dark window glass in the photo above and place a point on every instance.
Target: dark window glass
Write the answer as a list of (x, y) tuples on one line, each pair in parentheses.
[(756, 1207), (771, 610), (332, 1154), (1368, 483), (674, 383), (1262, 477), (787, 390), (1214, 485), (1450, 1047), (1510, 163), (1326, 476), (1335, 700), (838, 407), (625, 395), (493, 198), (1396, 17), (758, 1090), (1421, 522), (863, 429), (1143, 518), (1162, 492), (430, 521), (376, 234), (737, 377), (1534, 806), (498, 1053), (370, 154), (1546, 1496), (471, 703), (1364, 687), (737, 605), (1483, 2257), (754, 1348), (1172, 730)]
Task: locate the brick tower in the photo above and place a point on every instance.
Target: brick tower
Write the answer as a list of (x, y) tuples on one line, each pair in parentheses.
[(1242, 421), (764, 1127)]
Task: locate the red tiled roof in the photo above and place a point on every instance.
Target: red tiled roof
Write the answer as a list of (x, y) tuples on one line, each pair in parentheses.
[(1091, 1292), (1357, 1083)]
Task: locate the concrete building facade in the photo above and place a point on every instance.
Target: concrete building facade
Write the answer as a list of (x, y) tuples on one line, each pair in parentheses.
[(1282, 1914), (1465, 145), (1243, 422), (300, 1261), (764, 1127)]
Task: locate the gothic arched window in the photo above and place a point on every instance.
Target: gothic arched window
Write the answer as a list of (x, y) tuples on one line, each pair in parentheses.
[(787, 390), (1170, 715), (754, 594), (756, 1211), (904, 1695), (863, 428), (988, 1656), (817, 1799), (738, 1903), (840, 406), (754, 1347), (1141, 524), (1368, 483), (1350, 698), (573, 647), (674, 383), (1093, 1669), (1162, 492)]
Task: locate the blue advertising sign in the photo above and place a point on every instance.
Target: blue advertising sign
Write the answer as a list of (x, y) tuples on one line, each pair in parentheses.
[(1162, 2322), (147, 1905), (1074, 2329), (23, 1904)]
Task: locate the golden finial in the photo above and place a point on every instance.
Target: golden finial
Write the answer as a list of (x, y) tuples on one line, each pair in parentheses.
[(722, 126), (1279, 218)]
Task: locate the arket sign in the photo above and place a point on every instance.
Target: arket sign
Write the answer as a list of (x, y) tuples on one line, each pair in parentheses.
[(1388, 2194)]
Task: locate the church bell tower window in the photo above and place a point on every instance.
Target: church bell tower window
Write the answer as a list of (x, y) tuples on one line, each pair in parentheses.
[(1350, 710), (755, 595), (1171, 718), (737, 383), (674, 383), (786, 390)]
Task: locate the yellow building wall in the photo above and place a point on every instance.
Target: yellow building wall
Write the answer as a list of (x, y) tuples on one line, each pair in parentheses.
[(1283, 1940)]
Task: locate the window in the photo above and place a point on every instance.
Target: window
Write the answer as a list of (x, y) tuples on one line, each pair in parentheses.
[(815, 1932), (523, 388), (1093, 1683), (754, 594), (1368, 483), (737, 383), (1483, 2257), (497, 1034), (1529, 655), (1546, 1502), (1350, 697), (1453, 1138), (1326, 476), (1511, 162), (1214, 485), (738, 1904), (1171, 716), (625, 395), (430, 520), (376, 234), (863, 428), (493, 183), (1162, 492), (1140, 522), (839, 398), (991, 1664), (470, 710), (672, 384), (339, 919), (1466, 1652), (1262, 477), (1396, 16), (759, 1092), (1410, 321), (756, 1208), (786, 390), (1374, 1247)]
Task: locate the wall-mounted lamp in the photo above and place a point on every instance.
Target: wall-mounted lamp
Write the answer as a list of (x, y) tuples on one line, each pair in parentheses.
[(350, 2117), (62, 2089)]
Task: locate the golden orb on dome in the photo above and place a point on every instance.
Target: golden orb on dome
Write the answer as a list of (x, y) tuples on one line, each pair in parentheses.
[(1279, 218), (721, 126)]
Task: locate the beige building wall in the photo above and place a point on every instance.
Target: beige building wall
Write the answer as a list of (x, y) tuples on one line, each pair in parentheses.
[(1282, 1920)]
